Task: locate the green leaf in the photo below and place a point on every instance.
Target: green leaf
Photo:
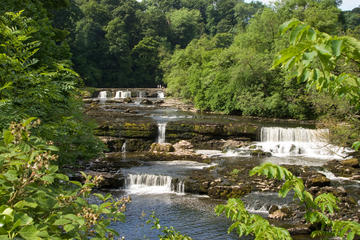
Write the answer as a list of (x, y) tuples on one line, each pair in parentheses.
[(336, 47), (25, 204), (68, 227), (8, 137), (29, 233), (61, 221), (28, 121)]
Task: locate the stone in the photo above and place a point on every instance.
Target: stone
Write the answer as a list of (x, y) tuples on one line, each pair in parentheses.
[(278, 214), (352, 162), (146, 102), (273, 208), (183, 145), (127, 100), (300, 229), (317, 181), (259, 153), (162, 147)]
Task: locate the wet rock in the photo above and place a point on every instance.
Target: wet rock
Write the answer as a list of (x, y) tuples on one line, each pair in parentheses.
[(300, 229), (109, 180), (158, 102), (353, 162), (226, 192), (127, 100), (318, 180), (113, 144), (259, 153), (146, 102), (162, 147)]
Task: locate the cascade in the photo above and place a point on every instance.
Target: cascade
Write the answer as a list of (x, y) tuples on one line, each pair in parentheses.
[(160, 95), (299, 142), (126, 94), (102, 95), (141, 94), (118, 94), (123, 148), (278, 134), (161, 132), (149, 183)]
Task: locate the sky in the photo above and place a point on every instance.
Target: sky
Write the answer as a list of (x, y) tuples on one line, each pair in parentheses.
[(347, 4)]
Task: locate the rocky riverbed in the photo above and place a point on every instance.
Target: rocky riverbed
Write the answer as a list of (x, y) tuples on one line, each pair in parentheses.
[(131, 130)]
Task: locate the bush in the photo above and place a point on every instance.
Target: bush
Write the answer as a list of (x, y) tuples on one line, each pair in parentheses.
[(38, 202)]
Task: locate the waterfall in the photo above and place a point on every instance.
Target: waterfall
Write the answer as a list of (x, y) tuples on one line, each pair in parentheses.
[(278, 134), (282, 142), (126, 94), (141, 94), (161, 132), (118, 94), (160, 95), (123, 148), (148, 184), (102, 95)]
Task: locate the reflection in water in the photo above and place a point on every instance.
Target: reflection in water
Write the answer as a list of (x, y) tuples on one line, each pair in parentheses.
[(190, 215)]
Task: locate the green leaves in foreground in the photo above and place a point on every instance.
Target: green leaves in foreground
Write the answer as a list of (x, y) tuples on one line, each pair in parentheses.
[(38, 202), (318, 210), (250, 224), (315, 58)]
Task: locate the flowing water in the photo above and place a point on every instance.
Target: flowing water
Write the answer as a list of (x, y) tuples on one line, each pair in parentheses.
[(159, 186), (161, 132)]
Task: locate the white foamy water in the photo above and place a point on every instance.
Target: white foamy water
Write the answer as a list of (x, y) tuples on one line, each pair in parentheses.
[(102, 95), (160, 95), (186, 164), (152, 184), (332, 177), (122, 94), (283, 142), (229, 153), (161, 132)]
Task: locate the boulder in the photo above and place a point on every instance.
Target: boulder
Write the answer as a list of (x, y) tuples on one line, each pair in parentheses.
[(259, 153), (162, 147), (183, 145), (226, 192), (352, 162), (146, 102), (278, 214), (318, 180), (127, 100)]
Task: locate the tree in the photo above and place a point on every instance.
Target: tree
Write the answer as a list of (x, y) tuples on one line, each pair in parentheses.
[(53, 87), (185, 25)]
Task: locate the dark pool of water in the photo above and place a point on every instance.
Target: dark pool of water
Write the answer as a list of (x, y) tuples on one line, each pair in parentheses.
[(191, 215)]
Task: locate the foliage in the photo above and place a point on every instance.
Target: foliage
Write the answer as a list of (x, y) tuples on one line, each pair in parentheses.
[(313, 57), (235, 77), (318, 209), (37, 202), (250, 224), (169, 233), (52, 87)]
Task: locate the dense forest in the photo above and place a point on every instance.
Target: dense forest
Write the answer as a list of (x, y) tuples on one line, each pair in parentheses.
[(217, 54)]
